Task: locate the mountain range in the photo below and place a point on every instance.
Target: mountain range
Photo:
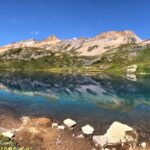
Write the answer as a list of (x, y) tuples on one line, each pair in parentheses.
[(113, 49)]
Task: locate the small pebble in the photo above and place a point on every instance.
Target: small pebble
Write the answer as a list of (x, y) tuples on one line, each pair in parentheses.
[(143, 145), (61, 127), (80, 136), (54, 125)]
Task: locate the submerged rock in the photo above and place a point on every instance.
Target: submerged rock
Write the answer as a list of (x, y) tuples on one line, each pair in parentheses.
[(69, 123), (87, 129), (117, 133)]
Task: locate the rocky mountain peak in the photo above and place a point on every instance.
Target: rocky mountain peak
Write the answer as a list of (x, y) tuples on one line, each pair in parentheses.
[(52, 38), (114, 35), (83, 46)]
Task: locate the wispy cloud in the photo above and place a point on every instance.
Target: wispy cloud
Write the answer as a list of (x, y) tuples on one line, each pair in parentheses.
[(74, 38), (35, 32)]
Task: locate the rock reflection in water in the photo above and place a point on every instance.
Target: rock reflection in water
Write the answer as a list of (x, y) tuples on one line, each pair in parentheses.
[(102, 90)]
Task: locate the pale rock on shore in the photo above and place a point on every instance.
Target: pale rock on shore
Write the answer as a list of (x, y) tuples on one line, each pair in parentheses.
[(87, 129), (69, 123), (118, 133)]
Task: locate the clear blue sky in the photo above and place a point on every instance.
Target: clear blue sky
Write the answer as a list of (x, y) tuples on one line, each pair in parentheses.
[(23, 19)]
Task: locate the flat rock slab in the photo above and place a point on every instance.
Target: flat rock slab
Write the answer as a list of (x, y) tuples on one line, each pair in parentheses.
[(87, 129), (69, 123)]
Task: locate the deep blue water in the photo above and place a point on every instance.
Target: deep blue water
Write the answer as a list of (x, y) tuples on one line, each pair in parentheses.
[(98, 100)]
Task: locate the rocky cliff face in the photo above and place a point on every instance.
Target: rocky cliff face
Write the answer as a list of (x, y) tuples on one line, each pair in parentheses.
[(83, 46)]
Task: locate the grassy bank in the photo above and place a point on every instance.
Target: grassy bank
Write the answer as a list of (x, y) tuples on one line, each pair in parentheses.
[(113, 61)]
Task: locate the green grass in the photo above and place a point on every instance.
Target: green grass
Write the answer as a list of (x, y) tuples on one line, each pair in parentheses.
[(117, 59), (121, 58), (10, 144)]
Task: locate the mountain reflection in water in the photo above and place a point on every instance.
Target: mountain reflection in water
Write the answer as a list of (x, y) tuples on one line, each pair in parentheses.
[(97, 99)]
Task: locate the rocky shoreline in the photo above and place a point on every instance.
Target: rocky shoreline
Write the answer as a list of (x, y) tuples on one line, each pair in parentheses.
[(45, 134)]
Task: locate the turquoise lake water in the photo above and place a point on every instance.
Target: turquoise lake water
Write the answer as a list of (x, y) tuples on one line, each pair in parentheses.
[(98, 100)]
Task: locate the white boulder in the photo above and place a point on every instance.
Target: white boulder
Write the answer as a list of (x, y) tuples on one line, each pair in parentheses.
[(69, 123), (87, 129), (8, 134), (117, 133)]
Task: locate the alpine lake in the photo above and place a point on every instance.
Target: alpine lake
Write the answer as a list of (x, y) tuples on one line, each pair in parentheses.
[(97, 100)]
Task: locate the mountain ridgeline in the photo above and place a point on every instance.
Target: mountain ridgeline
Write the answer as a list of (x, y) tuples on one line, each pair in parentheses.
[(113, 50)]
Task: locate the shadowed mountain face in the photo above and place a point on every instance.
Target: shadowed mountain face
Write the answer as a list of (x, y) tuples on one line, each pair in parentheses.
[(86, 98)]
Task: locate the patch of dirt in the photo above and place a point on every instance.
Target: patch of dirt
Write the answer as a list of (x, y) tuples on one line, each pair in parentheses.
[(38, 134), (8, 118), (51, 139)]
